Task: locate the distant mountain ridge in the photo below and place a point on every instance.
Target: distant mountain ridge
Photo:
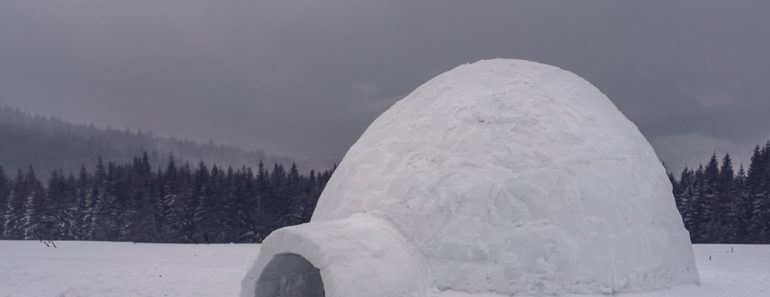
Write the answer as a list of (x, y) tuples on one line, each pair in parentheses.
[(49, 143)]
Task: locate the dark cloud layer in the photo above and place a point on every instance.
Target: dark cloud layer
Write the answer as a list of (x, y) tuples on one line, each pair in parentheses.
[(308, 76)]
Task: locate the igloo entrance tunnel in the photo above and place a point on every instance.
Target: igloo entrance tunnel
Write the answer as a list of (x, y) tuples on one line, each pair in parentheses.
[(501, 176)]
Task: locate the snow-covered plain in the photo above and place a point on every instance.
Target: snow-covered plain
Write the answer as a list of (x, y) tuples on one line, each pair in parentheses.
[(107, 269), (104, 269)]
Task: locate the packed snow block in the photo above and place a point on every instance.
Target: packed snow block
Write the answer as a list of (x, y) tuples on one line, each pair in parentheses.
[(502, 176)]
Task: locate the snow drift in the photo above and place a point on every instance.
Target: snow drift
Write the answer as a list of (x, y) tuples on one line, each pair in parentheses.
[(501, 176)]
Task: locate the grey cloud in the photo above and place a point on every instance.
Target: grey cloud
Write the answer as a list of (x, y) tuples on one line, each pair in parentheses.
[(307, 77)]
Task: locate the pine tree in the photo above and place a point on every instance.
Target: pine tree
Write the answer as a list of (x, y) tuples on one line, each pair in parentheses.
[(104, 225), (243, 206), (761, 214), (724, 217), (50, 218), (208, 217), (5, 191), (279, 200), (228, 208), (34, 207), (709, 201), (139, 224), (699, 203), (297, 203), (200, 188), (260, 227), (169, 208), (311, 193), (190, 203), (161, 208), (757, 184), (66, 213), (741, 207), (685, 197), (83, 210), (182, 203), (14, 215)]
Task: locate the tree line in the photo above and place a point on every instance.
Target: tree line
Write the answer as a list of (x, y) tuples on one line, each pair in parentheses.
[(198, 204), (720, 205), (179, 203)]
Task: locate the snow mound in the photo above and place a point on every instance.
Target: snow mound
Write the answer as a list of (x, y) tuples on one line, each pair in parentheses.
[(501, 176)]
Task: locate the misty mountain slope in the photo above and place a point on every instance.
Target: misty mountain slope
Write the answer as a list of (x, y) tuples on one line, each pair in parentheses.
[(48, 144)]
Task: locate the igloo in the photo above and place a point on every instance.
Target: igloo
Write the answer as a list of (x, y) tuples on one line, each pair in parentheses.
[(500, 177)]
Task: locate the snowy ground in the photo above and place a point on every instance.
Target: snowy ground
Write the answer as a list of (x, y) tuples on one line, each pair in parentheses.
[(91, 269), (105, 269)]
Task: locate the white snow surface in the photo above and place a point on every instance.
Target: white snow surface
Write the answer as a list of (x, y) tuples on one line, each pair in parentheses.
[(510, 177), (112, 269), (106, 269)]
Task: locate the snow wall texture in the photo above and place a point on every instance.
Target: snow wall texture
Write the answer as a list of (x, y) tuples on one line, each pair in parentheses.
[(501, 176)]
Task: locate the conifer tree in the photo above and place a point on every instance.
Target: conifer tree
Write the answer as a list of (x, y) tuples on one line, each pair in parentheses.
[(50, 223), (724, 218), (741, 208), (14, 215), (182, 209), (685, 197), (5, 191), (104, 225), (761, 207), (244, 206), (297, 203), (139, 207), (169, 209), (757, 183), (83, 211), (260, 227), (201, 214), (279, 196), (698, 202), (34, 206), (66, 213), (708, 201), (207, 214), (229, 208)]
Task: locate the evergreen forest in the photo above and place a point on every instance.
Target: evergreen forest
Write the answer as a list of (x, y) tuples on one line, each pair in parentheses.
[(178, 203)]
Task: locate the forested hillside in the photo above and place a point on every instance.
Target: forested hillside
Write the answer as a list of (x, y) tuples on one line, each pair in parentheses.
[(48, 144), (180, 203)]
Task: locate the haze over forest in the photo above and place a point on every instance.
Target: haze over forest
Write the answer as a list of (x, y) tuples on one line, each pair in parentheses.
[(47, 144)]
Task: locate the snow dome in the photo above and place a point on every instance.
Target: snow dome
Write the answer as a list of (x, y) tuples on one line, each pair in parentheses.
[(506, 177)]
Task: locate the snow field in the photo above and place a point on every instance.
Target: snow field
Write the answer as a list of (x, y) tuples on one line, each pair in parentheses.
[(109, 269), (105, 269), (731, 271)]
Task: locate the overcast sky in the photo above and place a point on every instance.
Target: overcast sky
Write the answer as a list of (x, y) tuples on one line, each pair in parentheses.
[(307, 77)]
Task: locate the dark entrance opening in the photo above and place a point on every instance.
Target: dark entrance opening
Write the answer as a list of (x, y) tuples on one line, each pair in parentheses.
[(290, 275)]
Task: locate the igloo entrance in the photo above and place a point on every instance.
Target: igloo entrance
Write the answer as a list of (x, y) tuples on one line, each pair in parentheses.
[(361, 255), (290, 275)]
